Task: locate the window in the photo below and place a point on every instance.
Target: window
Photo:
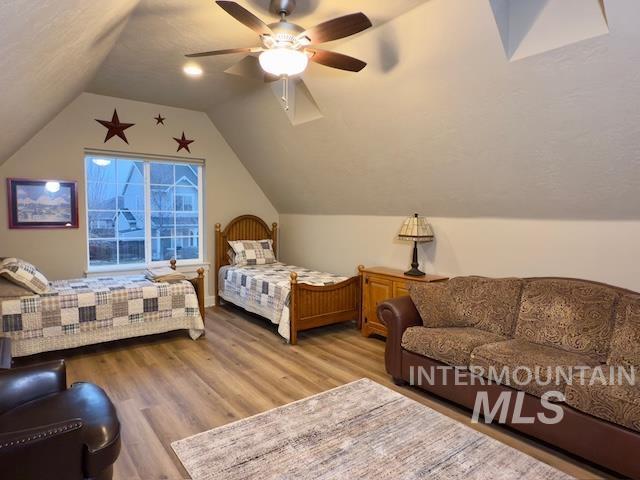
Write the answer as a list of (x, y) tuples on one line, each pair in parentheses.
[(142, 211)]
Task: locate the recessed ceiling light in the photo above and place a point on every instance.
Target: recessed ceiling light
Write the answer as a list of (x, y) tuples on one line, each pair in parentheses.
[(192, 70)]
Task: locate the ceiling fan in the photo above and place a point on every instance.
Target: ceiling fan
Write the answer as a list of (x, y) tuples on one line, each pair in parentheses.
[(287, 48)]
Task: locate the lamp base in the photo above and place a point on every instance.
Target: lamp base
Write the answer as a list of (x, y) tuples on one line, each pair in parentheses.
[(414, 272)]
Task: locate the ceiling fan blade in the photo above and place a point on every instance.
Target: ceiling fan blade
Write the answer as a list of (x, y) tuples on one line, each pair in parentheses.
[(336, 60), (337, 28), (245, 17), (224, 52)]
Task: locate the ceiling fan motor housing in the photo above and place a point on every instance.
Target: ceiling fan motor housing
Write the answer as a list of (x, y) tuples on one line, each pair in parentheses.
[(286, 31), (282, 7)]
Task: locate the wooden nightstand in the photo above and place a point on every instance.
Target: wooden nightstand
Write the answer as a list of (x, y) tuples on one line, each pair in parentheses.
[(380, 284)]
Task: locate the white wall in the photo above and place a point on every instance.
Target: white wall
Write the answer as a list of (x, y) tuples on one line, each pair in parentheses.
[(605, 251), (57, 152)]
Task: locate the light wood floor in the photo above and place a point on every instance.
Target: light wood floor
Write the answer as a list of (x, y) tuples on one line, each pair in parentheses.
[(169, 387)]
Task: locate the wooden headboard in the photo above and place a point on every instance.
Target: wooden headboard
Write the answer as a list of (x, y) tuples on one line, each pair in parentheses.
[(245, 227)]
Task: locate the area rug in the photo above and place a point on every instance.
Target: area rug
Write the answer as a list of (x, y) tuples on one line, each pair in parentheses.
[(359, 430)]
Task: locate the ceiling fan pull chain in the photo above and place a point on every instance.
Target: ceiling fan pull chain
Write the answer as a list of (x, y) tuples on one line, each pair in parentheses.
[(285, 92)]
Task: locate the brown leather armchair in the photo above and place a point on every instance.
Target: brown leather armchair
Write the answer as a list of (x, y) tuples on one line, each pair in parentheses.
[(50, 431)]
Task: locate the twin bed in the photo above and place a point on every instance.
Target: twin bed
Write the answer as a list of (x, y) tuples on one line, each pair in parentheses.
[(295, 298), (86, 311), (73, 313)]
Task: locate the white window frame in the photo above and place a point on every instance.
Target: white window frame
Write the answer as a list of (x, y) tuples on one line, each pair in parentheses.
[(148, 160)]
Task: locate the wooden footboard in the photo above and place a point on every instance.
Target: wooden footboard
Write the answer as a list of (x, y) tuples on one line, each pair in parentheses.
[(309, 306), (314, 306), (198, 285)]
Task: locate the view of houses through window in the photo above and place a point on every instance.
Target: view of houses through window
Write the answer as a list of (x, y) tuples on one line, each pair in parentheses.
[(142, 211)]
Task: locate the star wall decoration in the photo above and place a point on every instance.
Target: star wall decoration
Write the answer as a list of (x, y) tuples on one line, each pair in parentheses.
[(115, 128), (159, 119), (183, 143)]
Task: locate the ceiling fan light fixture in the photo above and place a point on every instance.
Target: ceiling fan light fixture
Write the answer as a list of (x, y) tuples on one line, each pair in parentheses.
[(284, 61)]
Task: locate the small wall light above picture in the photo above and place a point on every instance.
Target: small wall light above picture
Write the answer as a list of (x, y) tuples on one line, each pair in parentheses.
[(42, 203), (416, 229)]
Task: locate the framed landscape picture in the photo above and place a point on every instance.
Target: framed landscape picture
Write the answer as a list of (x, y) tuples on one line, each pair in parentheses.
[(42, 203)]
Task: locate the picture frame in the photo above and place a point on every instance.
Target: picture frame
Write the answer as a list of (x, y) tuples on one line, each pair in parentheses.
[(42, 203)]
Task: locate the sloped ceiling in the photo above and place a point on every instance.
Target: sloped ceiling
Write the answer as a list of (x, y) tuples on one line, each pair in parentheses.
[(146, 64), (49, 51), (440, 121)]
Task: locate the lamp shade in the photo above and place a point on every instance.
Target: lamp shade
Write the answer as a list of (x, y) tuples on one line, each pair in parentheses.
[(417, 229)]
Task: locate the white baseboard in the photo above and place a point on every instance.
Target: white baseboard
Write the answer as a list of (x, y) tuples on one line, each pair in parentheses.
[(209, 301)]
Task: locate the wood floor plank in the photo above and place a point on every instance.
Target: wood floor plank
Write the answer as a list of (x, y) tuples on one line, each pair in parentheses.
[(169, 387)]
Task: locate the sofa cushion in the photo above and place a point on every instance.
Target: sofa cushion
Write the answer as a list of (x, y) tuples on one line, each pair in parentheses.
[(625, 341), (572, 315), (604, 396), (489, 304), (518, 363), (436, 304), (452, 346)]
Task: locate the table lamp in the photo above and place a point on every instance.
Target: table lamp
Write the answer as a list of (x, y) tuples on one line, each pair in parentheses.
[(416, 229)]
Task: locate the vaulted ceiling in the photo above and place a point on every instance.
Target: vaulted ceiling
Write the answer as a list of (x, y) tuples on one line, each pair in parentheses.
[(450, 118), (146, 63), (49, 52)]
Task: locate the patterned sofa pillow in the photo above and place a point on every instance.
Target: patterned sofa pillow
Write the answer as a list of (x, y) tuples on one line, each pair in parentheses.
[(436, 304), (625, 341), (489, 304), (24, 274), (573, 315), (250, 252)]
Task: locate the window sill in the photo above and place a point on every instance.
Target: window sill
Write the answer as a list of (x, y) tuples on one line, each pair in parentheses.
[(185, 266)]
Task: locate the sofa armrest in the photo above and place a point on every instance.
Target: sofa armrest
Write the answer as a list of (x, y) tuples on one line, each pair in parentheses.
[(397, 314), (24, 384)]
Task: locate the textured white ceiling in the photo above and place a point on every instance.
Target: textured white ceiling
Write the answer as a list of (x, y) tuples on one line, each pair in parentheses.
[(442, 123), (49, 51), (146, 64), (439, 122)]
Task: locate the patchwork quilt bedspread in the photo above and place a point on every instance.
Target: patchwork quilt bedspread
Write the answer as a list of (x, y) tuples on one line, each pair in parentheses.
[(265, 289), (97, 304)]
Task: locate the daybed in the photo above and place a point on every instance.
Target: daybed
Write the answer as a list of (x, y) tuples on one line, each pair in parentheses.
[(74, 313), (295, 298)]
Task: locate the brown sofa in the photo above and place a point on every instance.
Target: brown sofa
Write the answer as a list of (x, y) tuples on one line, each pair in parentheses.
[(476, 324)]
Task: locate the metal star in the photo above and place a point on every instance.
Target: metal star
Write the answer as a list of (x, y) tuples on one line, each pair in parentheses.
[(115, 128), (183, 143), (160, 119)]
